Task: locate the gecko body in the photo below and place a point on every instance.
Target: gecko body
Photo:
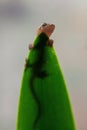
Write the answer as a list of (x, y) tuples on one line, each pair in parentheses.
[(37, 65)]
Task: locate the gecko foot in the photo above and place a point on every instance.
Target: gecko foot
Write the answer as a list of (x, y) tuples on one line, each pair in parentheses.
[(50, 42), (31, 46), (25, 65), (28, 64)]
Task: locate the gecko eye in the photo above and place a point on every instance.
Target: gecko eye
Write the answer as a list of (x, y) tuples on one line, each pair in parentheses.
[(44, 24)]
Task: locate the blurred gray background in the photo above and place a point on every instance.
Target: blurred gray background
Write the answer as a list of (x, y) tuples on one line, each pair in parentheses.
[(18, 23)]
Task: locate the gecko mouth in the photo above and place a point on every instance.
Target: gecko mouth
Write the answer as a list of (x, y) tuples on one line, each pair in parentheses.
[(50, 30)]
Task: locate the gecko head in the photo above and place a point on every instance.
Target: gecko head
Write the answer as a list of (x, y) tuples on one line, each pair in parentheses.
[(46, 28)]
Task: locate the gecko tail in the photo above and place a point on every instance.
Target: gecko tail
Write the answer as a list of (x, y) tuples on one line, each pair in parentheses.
[(36, 100)]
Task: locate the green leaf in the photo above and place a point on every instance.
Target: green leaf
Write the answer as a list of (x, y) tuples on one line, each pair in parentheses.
[(44, 102)]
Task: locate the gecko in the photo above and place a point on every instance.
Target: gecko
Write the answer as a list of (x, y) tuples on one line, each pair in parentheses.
[(37, 66)]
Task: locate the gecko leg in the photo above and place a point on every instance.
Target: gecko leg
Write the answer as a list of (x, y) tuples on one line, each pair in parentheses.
[(27, 64), (50, 42), (31, 46)]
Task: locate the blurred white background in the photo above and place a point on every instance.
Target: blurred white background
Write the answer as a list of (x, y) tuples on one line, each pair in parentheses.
[(18, 23)]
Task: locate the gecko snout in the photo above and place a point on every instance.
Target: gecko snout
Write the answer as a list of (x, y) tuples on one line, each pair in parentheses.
[(52, 26)]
